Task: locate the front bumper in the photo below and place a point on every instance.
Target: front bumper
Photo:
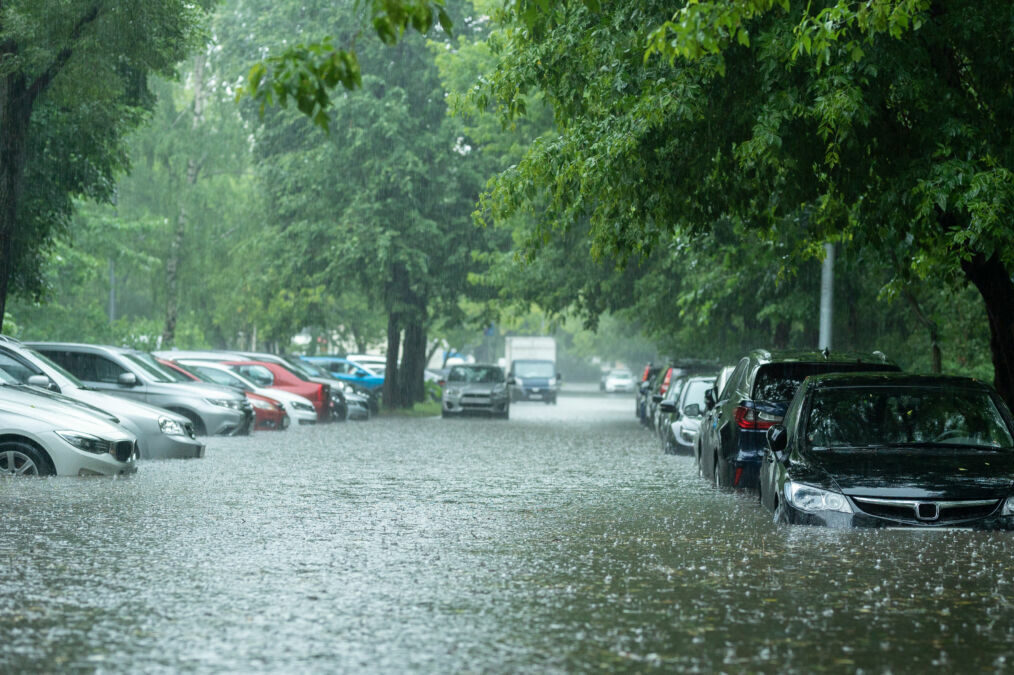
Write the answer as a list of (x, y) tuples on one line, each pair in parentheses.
[(69, 460), (163, 446)]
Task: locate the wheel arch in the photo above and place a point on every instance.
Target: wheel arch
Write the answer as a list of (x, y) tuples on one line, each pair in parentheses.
[(17, 438)]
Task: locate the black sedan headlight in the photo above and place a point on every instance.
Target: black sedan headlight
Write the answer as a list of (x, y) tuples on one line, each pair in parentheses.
[(814, 499)]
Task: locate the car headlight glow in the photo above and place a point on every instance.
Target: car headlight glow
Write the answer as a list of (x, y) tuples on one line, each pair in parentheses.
[(171, 427), (809, 498), (86, 442), (232, 403)]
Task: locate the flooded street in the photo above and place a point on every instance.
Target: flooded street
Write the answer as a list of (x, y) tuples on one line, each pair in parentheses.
[(561, 540)]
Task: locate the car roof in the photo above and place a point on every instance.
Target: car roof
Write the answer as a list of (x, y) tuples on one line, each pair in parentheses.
[(894, 379), (816, 356), (82, 346)]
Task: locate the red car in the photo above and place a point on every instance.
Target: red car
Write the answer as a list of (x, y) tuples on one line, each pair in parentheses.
[(269, 414), (268, 374)]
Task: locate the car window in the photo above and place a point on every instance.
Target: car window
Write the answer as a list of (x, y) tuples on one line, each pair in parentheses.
[(58, 368), (695, 392), (779, 381), (478, 375), (533, 369), (16, 369), (734, 379), (883, 416), (89, 367), (152, 368), (259, 374)]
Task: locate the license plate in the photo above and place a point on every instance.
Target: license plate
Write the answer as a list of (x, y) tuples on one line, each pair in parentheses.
[(536, 391)]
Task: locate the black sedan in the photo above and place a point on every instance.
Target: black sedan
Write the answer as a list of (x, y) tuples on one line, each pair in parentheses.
[(892, 450)]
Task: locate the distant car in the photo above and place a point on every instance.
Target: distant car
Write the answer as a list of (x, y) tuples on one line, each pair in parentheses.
[(476, 388), (161, 433), (136, 375), (644, 392), (618, 379), (682, 416), (40, 436), (278, 376), (299, 409), (754, 399), (349, 371), (892, 450)]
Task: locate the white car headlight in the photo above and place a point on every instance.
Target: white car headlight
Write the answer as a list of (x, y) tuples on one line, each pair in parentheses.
[(809, 498), (299, 405), (171, 427), (86, 442), (261, 405), (453, 392)]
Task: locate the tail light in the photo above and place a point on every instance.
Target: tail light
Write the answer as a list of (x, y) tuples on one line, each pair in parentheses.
[(647, 374), (665, 382), (751, 418)]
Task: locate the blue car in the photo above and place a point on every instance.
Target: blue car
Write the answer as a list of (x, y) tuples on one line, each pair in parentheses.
[(358, 376)]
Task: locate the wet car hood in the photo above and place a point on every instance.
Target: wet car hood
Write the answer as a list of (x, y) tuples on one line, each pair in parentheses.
[(916, 472)]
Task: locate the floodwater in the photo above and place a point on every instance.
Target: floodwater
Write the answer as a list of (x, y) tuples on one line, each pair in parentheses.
[(562, 540)]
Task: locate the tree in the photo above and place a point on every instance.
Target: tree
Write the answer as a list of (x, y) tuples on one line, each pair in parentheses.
[(72, 83), (877, 124)]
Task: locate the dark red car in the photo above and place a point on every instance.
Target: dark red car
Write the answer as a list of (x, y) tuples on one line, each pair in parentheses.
[(268, 374)]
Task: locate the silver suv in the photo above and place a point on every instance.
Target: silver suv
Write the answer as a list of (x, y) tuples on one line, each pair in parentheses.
[(132, 374)]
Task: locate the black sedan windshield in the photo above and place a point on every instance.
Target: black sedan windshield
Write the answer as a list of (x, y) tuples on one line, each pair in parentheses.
[(905, 416)]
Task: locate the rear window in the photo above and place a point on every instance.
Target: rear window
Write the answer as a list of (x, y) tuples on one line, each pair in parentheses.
[(779, 381)]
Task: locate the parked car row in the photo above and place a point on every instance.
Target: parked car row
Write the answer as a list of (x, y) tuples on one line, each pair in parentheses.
[(840, 439), (80, 409)]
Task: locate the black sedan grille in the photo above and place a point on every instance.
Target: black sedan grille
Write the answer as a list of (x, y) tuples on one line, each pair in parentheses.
[(927, 512), (123, 450)]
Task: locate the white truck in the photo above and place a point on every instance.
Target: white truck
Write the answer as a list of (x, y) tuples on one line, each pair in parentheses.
[(531, 368)]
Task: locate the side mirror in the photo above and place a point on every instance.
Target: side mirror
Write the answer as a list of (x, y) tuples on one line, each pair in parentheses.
[(667, 407), (709, 399), (657, 398), (692, 410), (127, 380), (559, 376), (778, 439), (42, 382)]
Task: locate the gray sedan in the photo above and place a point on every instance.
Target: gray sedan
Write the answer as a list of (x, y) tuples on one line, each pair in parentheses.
[(476, 388)]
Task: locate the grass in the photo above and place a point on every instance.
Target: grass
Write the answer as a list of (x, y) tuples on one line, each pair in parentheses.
[(427, 409)]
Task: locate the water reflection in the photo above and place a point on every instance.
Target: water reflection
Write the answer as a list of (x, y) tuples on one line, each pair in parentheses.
[(562, 540)]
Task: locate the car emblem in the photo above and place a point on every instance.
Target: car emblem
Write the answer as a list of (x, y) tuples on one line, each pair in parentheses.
[(927, 510)]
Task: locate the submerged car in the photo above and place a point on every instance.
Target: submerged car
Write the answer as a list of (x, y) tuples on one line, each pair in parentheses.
[(476, 388), (43, 436), (892, 450), (161, 434), (137, 376), (730, 443), (682, 416)]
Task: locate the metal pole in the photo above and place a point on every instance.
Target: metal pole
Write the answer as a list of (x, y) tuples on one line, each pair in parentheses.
[(112, 291), (826, 297)]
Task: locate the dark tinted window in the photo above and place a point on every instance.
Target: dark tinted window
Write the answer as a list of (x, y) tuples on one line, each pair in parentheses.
[(779, 381), (878, 416), (16, 369), (88, 367)]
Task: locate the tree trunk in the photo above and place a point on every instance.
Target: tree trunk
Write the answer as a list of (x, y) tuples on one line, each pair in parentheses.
[(993, 280), (413, 363), (176, 249), (392, 391), (15, 117)]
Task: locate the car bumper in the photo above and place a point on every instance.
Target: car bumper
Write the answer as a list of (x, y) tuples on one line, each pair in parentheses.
[(71, 461), (224, 421), (171, 447), (493, 407), (863, 520)]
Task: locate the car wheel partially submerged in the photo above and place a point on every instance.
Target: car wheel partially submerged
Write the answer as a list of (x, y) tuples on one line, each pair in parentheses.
[(21, 459)]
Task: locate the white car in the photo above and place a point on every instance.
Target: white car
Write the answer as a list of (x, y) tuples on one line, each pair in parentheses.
[(299, 408), (619, 379), (42, 437)]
